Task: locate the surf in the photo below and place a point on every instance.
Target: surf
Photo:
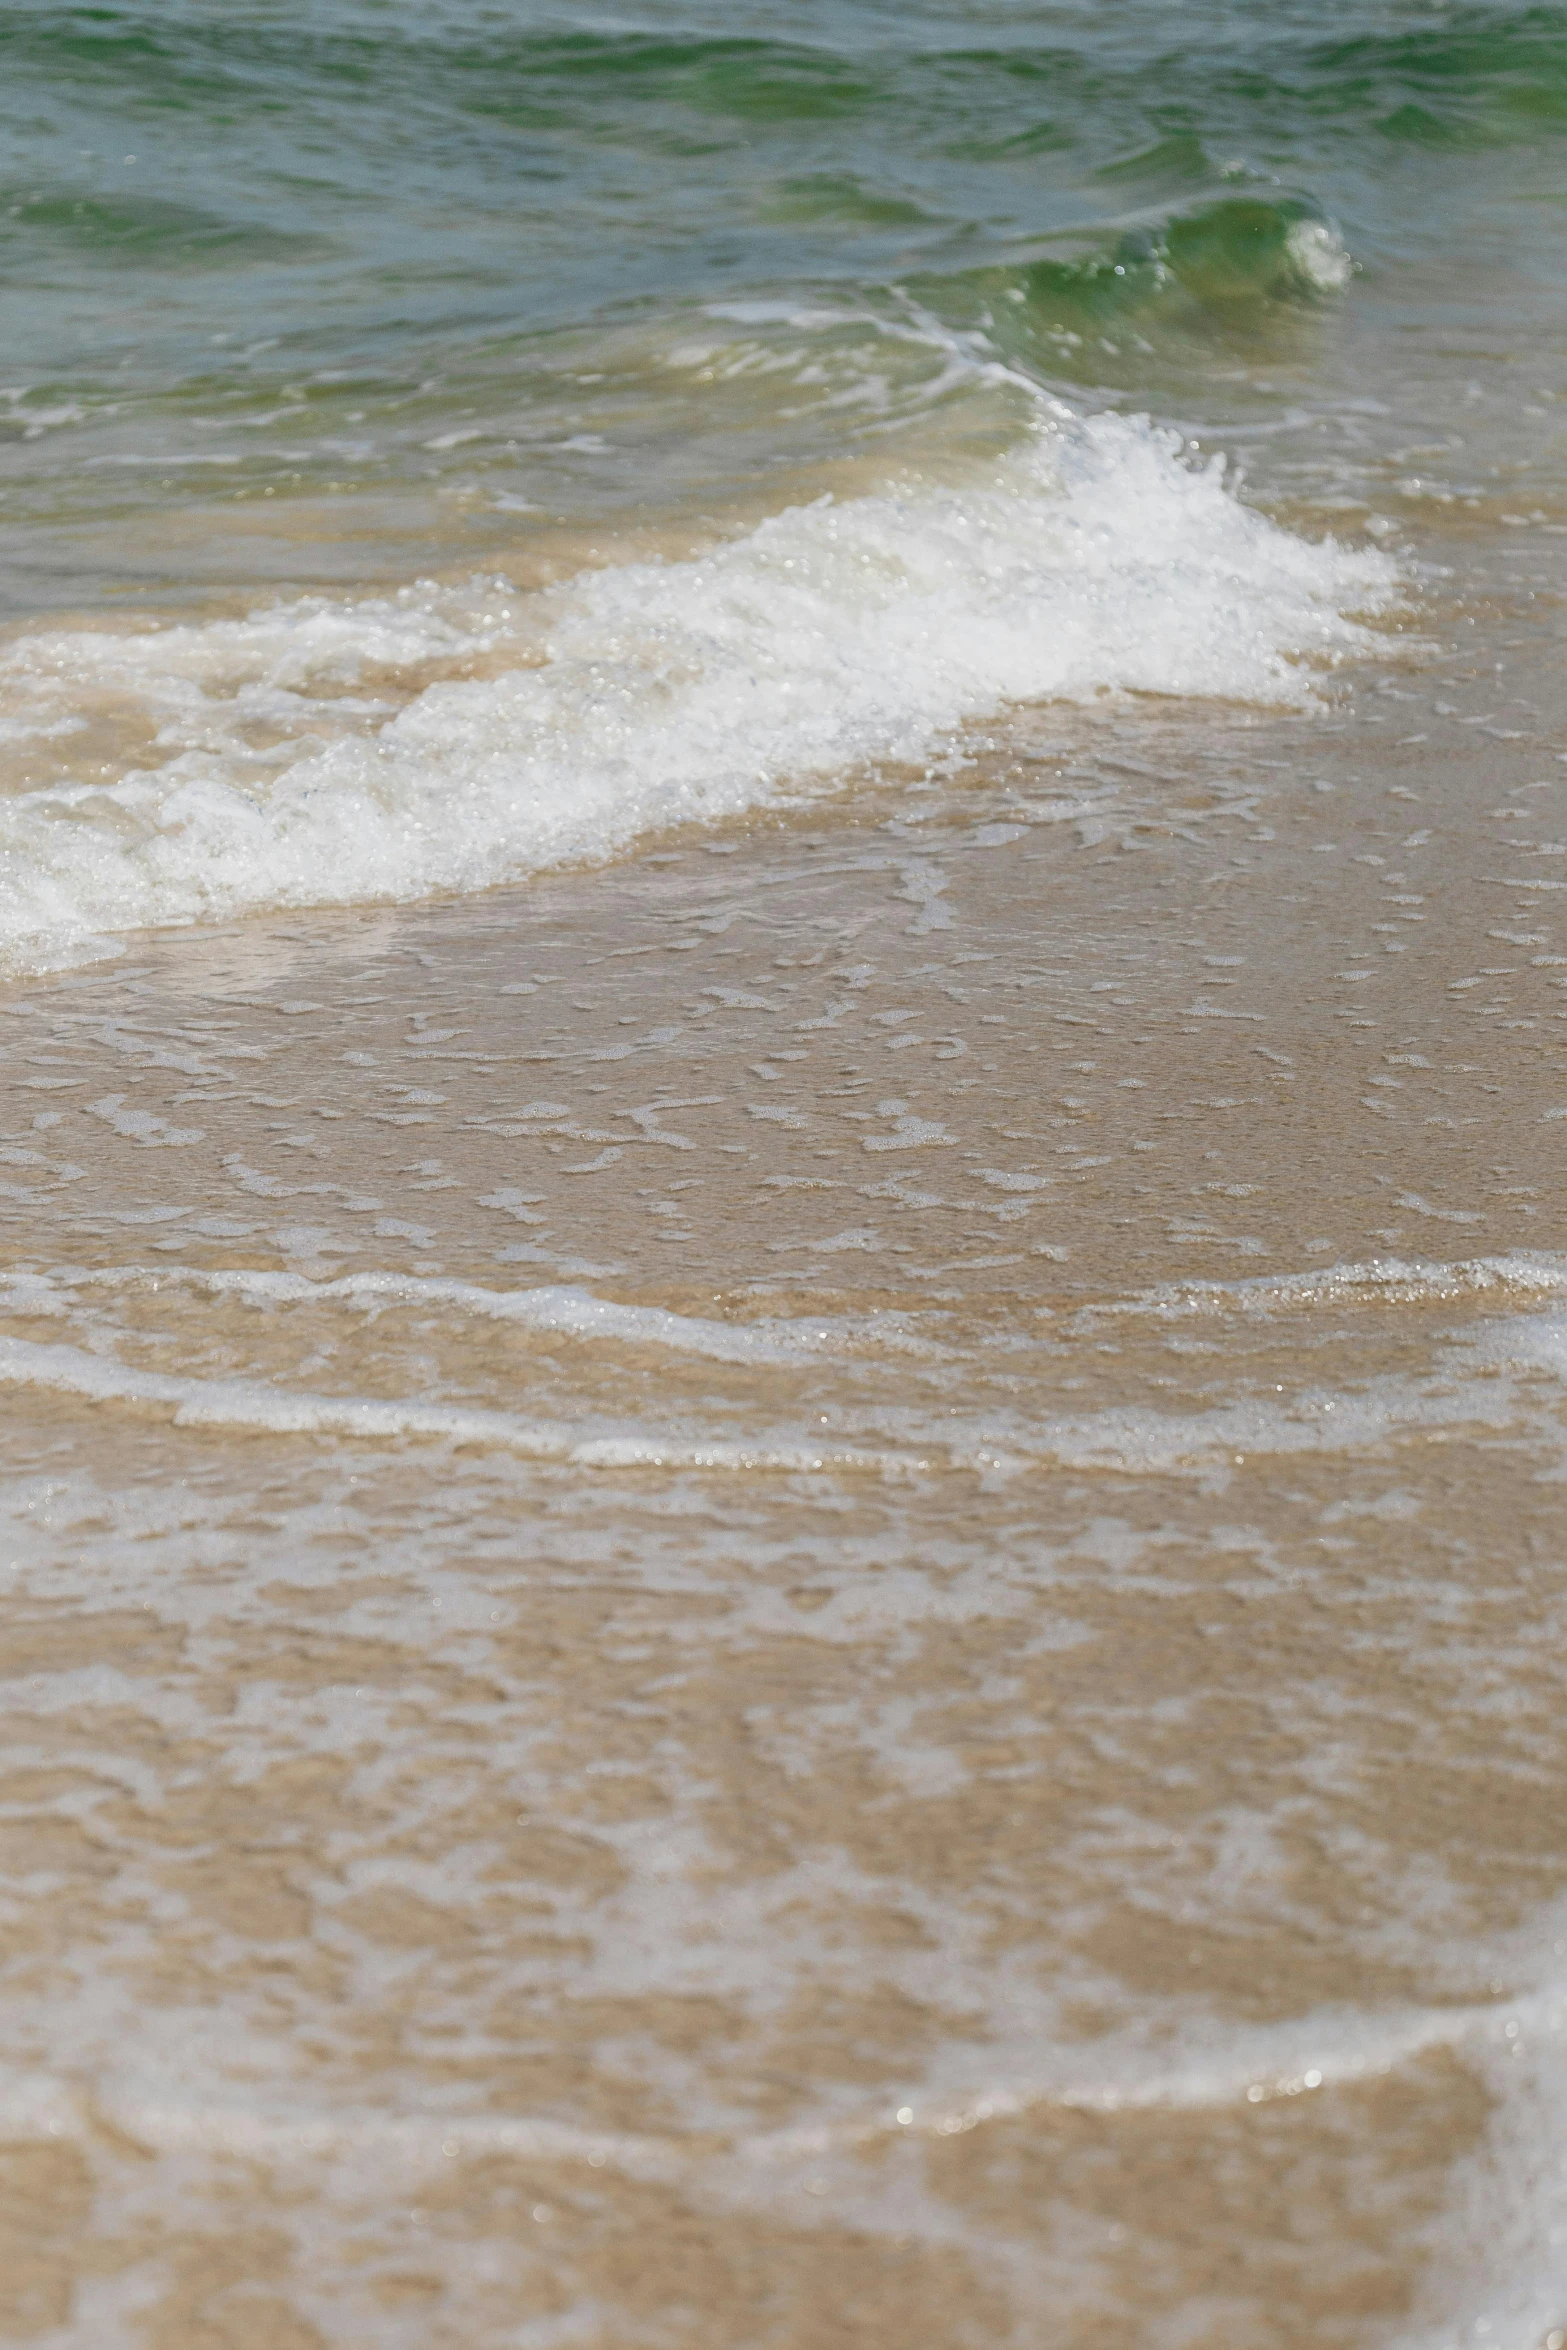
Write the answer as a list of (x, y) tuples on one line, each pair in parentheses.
[(304, 756)]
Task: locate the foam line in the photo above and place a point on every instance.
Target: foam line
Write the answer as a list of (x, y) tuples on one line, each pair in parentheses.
[(1136, 1443), (1334, 2050), (560, 1309), (1380, 1280), (250, 1404)]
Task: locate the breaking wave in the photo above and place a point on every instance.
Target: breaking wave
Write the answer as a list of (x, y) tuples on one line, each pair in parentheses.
[(323, 752)]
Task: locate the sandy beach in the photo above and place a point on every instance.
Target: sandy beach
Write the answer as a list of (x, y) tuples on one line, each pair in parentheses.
[(783, 1309)]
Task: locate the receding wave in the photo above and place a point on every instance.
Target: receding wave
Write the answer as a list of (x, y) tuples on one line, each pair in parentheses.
[(302, 757)]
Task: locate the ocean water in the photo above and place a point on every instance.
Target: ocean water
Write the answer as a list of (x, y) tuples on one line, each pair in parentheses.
[(766, 1700)]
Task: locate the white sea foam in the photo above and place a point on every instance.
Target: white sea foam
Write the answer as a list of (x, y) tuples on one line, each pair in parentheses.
[(305, 757), (1319, 256), (887, 1441), (1379, 1281), (1208, 2067), (254, 1405), (1314, 1420), (560, 1309)]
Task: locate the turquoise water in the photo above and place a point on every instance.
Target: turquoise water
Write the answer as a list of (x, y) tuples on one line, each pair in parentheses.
[(459, 265)]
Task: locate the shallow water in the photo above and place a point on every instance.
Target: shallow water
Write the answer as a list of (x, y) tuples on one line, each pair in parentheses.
[(783, 1309)]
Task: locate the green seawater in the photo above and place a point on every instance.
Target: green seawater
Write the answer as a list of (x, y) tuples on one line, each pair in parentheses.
[(420, 277)]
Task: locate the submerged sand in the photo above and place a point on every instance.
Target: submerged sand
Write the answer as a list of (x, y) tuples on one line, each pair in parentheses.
[(808, 1593)]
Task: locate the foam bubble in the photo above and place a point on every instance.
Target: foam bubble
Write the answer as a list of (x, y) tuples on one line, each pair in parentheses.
[(1319, 256), (307, 757)]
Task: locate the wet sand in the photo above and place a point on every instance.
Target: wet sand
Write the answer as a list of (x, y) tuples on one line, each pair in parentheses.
[(807, 1593)]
